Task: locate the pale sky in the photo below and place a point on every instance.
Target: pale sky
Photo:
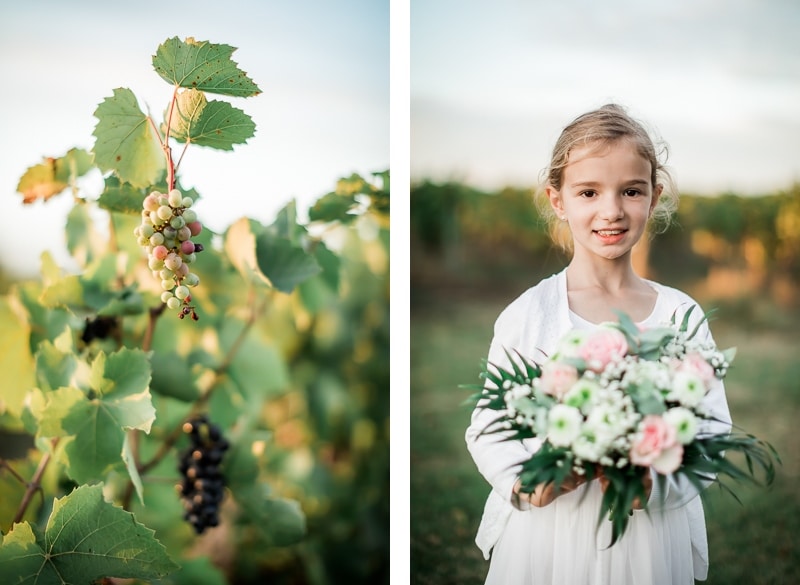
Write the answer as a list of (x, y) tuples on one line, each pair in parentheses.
[(323, 68), (493, 84)]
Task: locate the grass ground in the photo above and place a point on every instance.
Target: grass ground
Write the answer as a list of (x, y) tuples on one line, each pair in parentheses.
[(754, 543)]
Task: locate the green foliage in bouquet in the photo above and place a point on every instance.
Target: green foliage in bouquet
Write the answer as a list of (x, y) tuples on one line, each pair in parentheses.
[(650, 388), (142, 428)]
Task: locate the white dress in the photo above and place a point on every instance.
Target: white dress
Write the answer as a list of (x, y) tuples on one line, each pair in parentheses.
[(560, 544)]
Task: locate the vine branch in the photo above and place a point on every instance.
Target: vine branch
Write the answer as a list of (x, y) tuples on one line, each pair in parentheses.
[(35, 483), (173, 437)]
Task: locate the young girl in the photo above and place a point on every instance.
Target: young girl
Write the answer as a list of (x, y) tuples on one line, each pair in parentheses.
[(603, 186)]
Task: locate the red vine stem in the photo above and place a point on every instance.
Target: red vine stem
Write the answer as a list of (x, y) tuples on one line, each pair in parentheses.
[(35, 483), (167, 149)]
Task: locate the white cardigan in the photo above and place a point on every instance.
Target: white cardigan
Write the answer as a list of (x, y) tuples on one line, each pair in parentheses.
[(533, 324)]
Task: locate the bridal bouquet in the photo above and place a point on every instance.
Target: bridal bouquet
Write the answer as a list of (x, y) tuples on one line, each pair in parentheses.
[(613, 403)]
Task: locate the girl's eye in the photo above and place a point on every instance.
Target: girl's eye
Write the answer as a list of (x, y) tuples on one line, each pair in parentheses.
[(632, 192), (588, 193)]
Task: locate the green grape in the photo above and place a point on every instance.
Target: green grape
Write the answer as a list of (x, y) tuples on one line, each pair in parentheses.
[(173, 303), (167, 274), (155, 264), (189, 216), (181, 292), (146, 230), (164, 212), (166, 296), (175, 198), (187, 202), (157, 239), (191, 279), (167, 284), (177, 222)]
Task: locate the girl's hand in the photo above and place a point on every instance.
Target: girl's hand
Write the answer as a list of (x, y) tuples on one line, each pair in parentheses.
[(647, 480), (546, 494)]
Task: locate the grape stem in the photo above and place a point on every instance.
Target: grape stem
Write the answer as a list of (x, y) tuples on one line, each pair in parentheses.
[(167, 149), (35, 483)]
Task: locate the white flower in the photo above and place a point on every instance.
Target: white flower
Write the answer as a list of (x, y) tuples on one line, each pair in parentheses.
[(582, 395), (564, 425), (571, 343), (688, 389), (586, 447), (684, 422)]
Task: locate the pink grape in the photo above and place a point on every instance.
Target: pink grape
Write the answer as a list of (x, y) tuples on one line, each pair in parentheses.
[(160, 252), (173, 261), (187, 247), (195, 227)]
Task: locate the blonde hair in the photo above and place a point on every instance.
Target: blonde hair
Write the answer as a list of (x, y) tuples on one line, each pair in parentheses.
[(605, 126)]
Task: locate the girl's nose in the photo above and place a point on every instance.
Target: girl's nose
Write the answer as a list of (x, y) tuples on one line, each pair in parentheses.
[(611, 208)]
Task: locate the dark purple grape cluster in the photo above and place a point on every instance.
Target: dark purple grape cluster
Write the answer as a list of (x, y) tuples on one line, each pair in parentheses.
[(203, 485)]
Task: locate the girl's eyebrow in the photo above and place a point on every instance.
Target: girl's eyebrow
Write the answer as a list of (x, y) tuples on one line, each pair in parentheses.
[(595, 184)]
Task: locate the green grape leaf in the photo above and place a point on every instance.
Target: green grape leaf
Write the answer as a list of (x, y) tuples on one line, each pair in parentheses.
[(189, 104), (52, 176), (198, 571), (280, 522), (285, 224), (92, 292), (172, 376), (54, 368), (202, 65), (217, 125), (121, 197), (16, 361), (285, 264), (84, 242), (133, 470), (258, 368), (240, 246), (126, 142), (118, 400), (46, 323), (86, 538), (330, 264), (334, 207)]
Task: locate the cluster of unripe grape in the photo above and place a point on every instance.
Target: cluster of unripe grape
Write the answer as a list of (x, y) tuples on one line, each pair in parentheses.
[(203, 485), (166, 232)]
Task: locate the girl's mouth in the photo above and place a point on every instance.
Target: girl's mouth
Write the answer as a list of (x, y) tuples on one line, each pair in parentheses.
[(610, 236)]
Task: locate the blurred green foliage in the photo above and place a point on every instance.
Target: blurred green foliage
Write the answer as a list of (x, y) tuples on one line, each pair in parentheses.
[(300, 380), (463, 237)]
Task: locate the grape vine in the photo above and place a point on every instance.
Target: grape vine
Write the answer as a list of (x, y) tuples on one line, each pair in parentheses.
[(107, 393)]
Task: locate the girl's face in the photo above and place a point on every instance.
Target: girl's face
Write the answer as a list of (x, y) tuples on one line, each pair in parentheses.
[(606, 197)]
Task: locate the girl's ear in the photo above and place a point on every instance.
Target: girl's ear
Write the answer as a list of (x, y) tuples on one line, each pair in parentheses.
[(555, 201), (656, 194)]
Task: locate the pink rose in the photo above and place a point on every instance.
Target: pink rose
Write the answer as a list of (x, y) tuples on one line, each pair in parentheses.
[(694, 363), (557, 378), (603, 346), (656, 444)]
